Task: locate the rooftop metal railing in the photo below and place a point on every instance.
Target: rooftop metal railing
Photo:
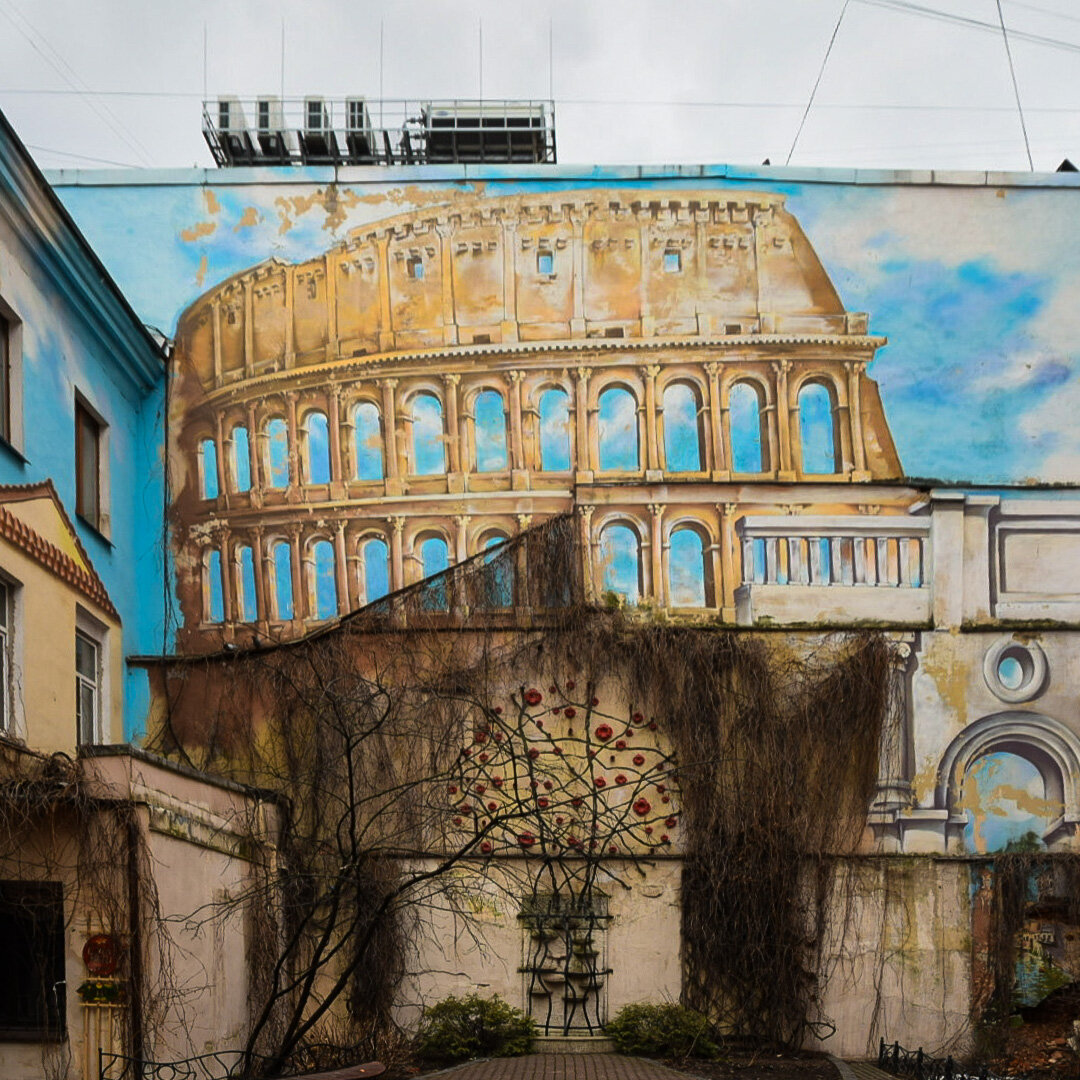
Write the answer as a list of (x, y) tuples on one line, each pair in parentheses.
[(357, 131)]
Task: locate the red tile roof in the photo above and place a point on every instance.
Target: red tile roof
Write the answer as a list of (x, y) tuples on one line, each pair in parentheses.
[(15, 530)]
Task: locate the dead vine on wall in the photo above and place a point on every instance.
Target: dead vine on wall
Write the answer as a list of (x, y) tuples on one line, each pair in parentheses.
[(414, 743)]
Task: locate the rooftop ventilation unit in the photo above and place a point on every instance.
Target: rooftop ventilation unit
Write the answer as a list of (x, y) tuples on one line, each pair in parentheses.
[(318, 143), (359, 134), (270, 130), (235, 138), (479, 131)]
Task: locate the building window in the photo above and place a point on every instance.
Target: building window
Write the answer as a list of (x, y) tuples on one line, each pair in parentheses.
[(683, 440), (545, 262), (672, 262), (618, 430), (414, 267), (87, 688), (7, 667), (5, 378), (32, 992), (749, 439), (88, 440), (555, 431), (817, 432)]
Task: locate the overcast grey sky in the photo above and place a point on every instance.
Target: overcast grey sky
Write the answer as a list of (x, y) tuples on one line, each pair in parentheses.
[(634, 81)]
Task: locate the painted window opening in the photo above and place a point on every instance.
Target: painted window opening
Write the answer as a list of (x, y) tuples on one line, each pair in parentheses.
[(214, 596), (620, 561), (1009, 802), (746, 414), (429, 440), (414, 267), (277, 453), (316, 456), (208, 477), (375, 566), (545, 262), (672, 261), (281, 561), (682, 429), (241, 458), (817, 433), (490, 431), (434, 559), (686, 568), (555, 431), (323, 586), (367, 426), (247, 607), (498, 572), (618, 430)]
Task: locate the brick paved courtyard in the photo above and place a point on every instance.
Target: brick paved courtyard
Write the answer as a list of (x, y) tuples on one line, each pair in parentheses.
[(562, 1067)]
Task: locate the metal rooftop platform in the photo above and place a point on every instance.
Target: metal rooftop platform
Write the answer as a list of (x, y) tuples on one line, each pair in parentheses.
[(357, 131)]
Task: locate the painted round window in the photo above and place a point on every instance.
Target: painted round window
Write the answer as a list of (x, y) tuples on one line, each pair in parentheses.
[(1015, 671)]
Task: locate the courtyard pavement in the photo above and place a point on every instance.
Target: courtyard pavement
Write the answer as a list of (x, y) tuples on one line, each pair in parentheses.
[(561, 1067), (602, 1067)]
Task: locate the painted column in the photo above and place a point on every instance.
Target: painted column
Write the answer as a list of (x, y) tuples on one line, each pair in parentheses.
[(577, 320), (341, 566), (658, 590), (219, 462), (461, 547), (719, 464), (519, 478), (784, 425), (223, 537), (397, 553), (856, 372), (509, 327), (331, 307), (262, 606), (521, 570), (254, 453), (290, 330), (652, 452), (582, 458), (337, 473), (299, 593), (294, 444), (841, 420), (893, 783), (386, 329), (249, 329), (591, 586), (390, 451), (726, 587), (451, 382), (215, 326), (450, 330)]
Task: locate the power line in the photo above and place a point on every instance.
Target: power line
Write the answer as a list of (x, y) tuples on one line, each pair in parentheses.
[(817, 81), (909, 8), (71, 77), (1016, 88), (80, 157)]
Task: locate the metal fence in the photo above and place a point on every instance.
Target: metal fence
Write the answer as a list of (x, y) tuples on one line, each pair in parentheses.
[(896, 1059)]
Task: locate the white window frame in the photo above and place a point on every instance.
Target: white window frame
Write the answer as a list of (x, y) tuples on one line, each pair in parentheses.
[(15, 376), (97, 633), (11, 640)]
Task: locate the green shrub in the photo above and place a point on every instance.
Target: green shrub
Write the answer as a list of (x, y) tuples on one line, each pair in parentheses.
[(460, 1028), (666, 1030)]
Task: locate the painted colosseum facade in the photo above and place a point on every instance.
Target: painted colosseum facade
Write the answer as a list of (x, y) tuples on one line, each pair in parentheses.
[(445, 378)]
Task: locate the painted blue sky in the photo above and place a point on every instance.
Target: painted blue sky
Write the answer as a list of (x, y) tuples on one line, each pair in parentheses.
[(976, 289)]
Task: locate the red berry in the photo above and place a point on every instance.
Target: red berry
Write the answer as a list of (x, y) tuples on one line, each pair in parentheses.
[(639, 759)]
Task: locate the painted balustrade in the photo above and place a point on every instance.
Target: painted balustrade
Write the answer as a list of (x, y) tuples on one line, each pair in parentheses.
[(788, 561)]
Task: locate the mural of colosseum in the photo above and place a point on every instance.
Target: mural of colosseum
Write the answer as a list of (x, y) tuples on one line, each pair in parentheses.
[(674, 368)]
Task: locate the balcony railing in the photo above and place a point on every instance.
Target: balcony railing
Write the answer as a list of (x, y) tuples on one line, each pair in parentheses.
[(874, 568), (356, 131)]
